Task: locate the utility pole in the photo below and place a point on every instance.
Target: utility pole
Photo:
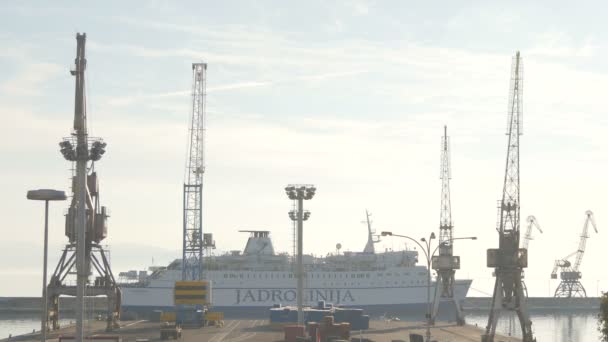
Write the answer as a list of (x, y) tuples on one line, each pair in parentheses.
[(192, 257), (446, 264), (508, 260)]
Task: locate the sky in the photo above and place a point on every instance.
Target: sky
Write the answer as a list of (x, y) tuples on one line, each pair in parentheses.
[(351, 96)]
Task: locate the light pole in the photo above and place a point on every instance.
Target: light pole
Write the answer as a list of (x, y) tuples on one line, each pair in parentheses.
[(45, 195), (426, 249), (300, 193)]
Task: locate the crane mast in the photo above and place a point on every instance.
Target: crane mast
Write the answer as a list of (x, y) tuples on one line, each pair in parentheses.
[(570, 284), (445, 264), (508, 260), (192, 259)]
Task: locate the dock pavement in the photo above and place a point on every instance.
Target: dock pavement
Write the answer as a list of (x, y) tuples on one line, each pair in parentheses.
[(260, 331)]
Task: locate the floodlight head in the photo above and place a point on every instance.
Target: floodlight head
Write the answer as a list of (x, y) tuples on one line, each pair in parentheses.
[(46, 195), (306, 215), (386, 233)]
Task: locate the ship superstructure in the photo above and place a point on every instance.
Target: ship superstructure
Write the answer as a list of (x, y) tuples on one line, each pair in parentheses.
[(258, 278)]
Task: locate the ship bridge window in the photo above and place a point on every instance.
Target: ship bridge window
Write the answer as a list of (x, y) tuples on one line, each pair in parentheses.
[(225, 275)]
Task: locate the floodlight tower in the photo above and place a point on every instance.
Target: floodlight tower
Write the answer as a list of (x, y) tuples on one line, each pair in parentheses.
[(446, 264), (86, 220), (192, 257), (508, 260), (300, 193)]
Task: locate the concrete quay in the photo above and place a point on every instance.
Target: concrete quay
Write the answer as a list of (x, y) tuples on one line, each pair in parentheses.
[(260, 331)]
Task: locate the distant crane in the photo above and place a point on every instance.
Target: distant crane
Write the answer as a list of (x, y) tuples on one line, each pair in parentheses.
[(192, 258), (508, 260), (446, 264), (532, 223), (570, 285)]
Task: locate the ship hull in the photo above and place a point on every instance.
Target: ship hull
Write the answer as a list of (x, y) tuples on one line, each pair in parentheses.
[(253, 301)]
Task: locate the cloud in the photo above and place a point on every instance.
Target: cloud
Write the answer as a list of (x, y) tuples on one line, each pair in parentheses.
[(131, 99), (30, 79)]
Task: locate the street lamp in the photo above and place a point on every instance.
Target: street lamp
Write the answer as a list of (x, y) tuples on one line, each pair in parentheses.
[(300, 193), (45, 195), (426, 249)]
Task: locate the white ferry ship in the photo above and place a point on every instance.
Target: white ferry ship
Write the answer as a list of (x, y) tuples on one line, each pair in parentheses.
[(258, 278)]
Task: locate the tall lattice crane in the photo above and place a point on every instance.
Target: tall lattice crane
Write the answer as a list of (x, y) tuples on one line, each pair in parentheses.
[(446, 263), (570, 285), (508, 260), (192, 258), (532, 223)]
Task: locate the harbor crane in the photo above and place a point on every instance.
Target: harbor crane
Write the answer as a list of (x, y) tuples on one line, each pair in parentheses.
[(532, 223), (570, 285), (193, 242), (508, 260), (446, 264)]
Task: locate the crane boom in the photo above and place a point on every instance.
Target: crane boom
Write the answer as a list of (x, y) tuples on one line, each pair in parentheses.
[(445, 217)]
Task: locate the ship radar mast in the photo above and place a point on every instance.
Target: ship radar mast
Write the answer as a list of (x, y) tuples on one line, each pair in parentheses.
[(369, 246)]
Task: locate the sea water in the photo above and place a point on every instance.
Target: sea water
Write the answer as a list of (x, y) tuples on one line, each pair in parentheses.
[(553, 327), (22, 324)]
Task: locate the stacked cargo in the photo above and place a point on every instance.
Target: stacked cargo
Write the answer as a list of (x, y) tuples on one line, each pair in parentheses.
[(281, 316), (355, 317)]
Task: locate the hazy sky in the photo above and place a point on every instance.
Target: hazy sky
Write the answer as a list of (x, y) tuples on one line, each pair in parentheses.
[(349, 96)]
